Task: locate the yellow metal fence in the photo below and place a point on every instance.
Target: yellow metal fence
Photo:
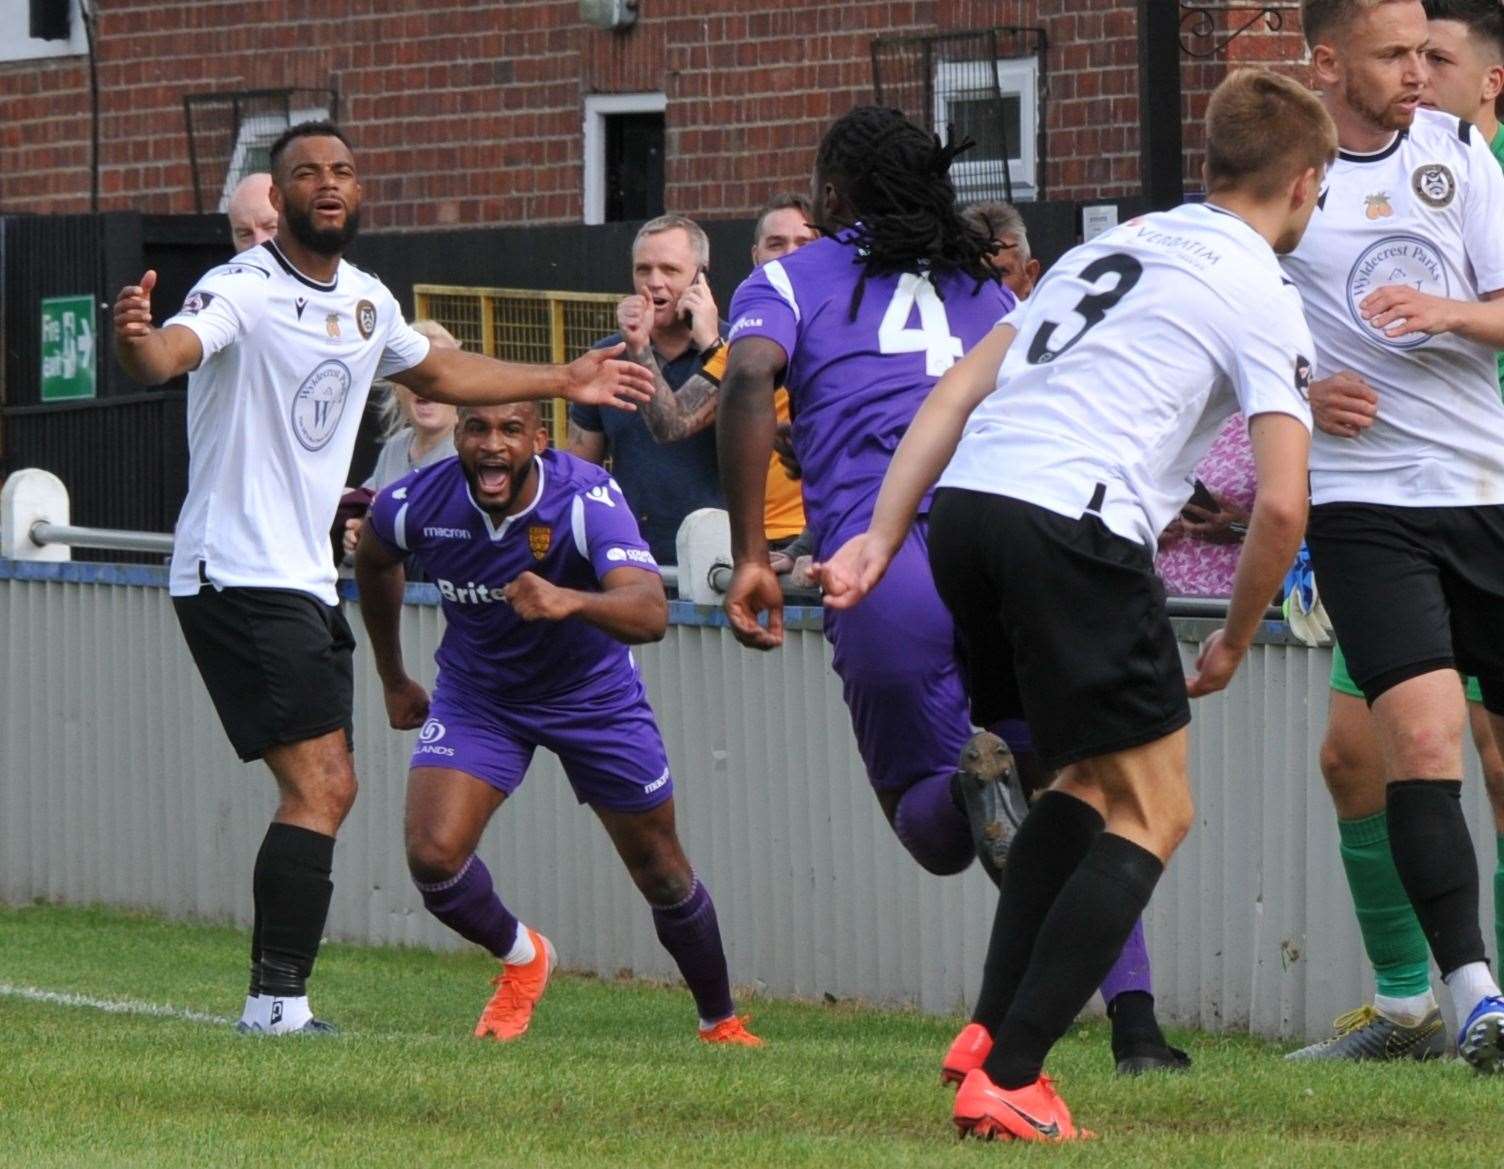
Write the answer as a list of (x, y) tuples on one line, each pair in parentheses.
[(519, 324)]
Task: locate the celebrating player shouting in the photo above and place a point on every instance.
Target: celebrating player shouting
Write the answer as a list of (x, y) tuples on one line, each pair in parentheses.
[(280, 346), (545, 581), (1402, 273), (1071, 432)]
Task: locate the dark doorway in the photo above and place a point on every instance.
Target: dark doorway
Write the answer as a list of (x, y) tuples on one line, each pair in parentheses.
[(634, 166)]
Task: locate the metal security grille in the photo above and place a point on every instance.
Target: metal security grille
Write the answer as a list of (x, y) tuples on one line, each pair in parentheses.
[(516, 324), (983, 84), (230, 134)]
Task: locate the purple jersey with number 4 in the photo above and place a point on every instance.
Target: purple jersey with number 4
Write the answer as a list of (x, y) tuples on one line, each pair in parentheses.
[(855, 385), (578, 528)]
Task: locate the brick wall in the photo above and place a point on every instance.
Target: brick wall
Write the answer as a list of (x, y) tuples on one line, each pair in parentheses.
[(470, 113)]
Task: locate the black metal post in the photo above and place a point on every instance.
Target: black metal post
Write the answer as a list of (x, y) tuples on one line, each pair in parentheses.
[(1161, 164)]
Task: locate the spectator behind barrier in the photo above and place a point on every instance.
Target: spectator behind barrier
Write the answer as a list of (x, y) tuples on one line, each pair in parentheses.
[(1198, 551), (672, 326), (1012, 263), (253, 219), (415, 433)]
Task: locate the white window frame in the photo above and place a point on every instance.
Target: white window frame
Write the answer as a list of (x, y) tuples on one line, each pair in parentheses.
[(598, 107), (16, 43), (261, 128), (1016, 77)]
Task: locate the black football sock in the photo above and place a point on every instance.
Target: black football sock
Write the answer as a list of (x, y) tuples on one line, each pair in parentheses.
[(1434, 857), (255, 942), (293, 889), (1050, 843), (1134, 1026), (1081, 937)]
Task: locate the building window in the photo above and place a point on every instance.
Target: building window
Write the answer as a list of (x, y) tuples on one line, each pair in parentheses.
[(230, 134), (17, 43), (624, 149), (1001, 112)]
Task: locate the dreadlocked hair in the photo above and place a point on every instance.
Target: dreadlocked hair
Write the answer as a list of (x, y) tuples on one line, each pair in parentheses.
[(895, 177)]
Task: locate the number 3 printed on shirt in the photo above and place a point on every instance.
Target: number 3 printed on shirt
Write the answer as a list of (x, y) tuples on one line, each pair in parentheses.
[(932, 338), (1091, 308)]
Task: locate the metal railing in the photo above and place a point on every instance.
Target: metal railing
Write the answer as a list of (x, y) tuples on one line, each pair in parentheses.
[(103, 539)]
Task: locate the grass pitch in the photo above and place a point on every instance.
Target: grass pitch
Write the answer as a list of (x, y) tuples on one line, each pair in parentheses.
[(611, 1074)]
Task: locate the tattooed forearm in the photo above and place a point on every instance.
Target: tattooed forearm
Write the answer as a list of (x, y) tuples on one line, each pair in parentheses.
[(674, 415)]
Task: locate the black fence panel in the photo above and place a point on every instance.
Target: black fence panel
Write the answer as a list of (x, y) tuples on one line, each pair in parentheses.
[(125, 461), (61, 255)]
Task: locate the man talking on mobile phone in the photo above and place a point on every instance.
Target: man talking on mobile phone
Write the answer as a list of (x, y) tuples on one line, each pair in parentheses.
[(671, 326)]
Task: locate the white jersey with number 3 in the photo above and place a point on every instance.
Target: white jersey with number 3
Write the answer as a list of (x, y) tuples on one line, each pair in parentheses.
[(273, 411), (1129, 357), (1427, 211)]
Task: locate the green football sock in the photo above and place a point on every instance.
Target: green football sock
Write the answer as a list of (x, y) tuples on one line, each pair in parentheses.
[(1391, 933), (1499, 908)]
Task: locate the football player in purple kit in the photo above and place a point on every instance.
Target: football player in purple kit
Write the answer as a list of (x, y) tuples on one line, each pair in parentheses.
[(545, 580), (859, 326)]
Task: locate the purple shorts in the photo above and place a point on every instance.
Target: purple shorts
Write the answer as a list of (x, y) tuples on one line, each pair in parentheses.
[(605, 736), (896, 657)]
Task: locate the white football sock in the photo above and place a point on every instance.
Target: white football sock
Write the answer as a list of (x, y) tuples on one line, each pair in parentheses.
[(254, 1013), (1407, 1010), (285, 1014), (523, 951), (1469, 985)]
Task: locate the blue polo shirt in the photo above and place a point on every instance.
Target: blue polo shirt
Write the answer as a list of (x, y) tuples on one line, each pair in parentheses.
[(663, 482)]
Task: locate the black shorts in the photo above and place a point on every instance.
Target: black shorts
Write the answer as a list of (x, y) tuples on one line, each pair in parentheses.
[(1413, 589), (277, 663), (1062, 623)]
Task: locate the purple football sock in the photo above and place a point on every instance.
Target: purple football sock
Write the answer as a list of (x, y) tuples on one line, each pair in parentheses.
[(932, 828), (1131, 970), (467, 903), (691, 934)]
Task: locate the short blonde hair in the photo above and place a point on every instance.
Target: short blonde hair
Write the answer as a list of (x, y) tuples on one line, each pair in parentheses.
[(698, 240), (1320, 18), (388, 408), (1262, 130)]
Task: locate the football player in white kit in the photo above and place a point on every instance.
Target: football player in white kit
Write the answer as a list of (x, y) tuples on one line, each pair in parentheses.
[(1402, 273), (280, 346), (1071, 433)]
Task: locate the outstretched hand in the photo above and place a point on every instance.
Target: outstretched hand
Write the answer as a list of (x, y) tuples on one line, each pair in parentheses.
[(853, 572), (755, 590), (406, 704), (133, 308), (598, 379), (1215, 666)]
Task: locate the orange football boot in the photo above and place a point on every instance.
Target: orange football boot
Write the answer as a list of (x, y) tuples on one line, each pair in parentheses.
[(1032, 1113), (732, 1032), (968, 1050), (518, 989)]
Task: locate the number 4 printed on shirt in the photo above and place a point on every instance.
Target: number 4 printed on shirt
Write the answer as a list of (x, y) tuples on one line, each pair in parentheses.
[(932, 338)]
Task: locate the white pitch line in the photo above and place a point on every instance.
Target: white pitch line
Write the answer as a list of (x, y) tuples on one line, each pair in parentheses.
[(109, 1006)]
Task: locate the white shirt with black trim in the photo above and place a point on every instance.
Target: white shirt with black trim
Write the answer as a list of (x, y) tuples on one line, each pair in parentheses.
[(273, 411), (1428, 211), (1131, 354)]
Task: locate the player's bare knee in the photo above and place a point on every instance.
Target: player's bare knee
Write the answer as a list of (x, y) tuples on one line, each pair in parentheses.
[(434, 856), (1420, 749), (664, 879)]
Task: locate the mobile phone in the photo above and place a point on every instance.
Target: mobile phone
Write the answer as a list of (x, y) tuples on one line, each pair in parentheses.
[(1201, 497), (685, 316)]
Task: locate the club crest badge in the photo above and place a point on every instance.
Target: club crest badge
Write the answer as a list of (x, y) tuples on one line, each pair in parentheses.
[(365, 319), (540, 538), (1377, 205), (331, 324), (1434, 184)]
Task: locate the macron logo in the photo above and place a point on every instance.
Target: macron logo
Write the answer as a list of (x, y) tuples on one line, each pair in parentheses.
[(649, 788), (600, 494), (745, 323), (447, 533), (400, 493), (636, 555)]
